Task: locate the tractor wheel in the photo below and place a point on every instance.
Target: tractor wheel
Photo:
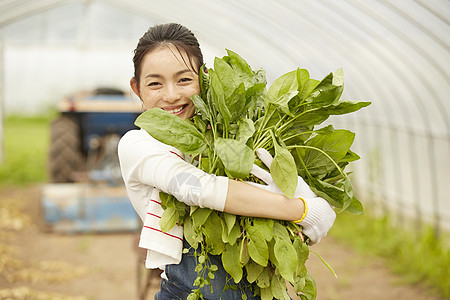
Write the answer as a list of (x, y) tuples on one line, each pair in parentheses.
[(65, 158)]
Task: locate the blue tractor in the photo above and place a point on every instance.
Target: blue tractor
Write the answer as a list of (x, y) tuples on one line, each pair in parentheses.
[(85, 190), (83, 136)]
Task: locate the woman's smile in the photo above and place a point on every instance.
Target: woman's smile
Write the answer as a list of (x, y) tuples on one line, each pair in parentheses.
[(175, 110)]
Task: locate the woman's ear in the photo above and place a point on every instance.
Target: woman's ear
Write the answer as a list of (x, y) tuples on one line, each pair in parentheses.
[(135, 87)]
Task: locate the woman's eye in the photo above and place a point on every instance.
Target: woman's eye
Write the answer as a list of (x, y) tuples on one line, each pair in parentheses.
[(153, 84), (186, 79)]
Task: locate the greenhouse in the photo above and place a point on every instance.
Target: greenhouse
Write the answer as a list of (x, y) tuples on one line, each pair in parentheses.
[(394, 54)]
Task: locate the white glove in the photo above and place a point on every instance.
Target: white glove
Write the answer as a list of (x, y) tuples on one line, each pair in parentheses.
[(319, 217)]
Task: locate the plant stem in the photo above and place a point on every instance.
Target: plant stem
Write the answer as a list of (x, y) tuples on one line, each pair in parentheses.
[(266, 119), (283, 127), (317, 149)]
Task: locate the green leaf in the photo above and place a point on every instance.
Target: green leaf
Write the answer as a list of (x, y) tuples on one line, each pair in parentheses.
[(283, 90), (326, 92), (230, 261), (217, 95), (278, 286), (355, 207), (257, 246), (242, 68), (338, 77), (317, 115), (286, 257), (200, 215), (310, 290), (193, 296), (253, 271), (164, 197), (213, 233), (299, 284), (230, 220), (168, 219), (280, 231), (172, 130), (246, 130), (255, 96), (308, 87), (243, 253), (201, 106), (204, 82), (302, 250), (234, 234), (233, 88), (265, 226), (189, 232), (334, 195), (231, 229), (199, 123), (284, 171), (344, 107), (236, 156), (273, 260), (302, 79), (263, 280), (336, 144), (266, 293)]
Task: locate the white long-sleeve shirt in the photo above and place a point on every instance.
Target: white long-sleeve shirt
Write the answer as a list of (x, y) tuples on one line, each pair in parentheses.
[(148, 167)]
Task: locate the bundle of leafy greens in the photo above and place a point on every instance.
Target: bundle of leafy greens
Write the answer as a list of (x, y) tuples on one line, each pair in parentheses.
[(235, 115)]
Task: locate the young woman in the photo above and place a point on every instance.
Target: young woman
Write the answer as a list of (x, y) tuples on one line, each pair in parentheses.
[(167, 62)]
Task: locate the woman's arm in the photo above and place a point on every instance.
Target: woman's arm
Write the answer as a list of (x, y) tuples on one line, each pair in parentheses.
[(248, 200), (147, 162)]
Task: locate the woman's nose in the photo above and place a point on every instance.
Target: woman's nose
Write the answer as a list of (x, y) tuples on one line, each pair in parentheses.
[(171, 94)]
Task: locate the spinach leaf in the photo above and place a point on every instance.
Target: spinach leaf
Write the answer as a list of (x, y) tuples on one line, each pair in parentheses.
[(284, 171), (236, 156), (336, 144), (172, 130), (233, 88), (328, 91), (283, 89)]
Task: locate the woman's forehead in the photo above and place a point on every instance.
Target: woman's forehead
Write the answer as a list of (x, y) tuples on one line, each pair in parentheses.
[(169, 54)]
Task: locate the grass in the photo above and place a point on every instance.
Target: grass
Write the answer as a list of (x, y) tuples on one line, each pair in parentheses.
[(416, 254), (25, 148)]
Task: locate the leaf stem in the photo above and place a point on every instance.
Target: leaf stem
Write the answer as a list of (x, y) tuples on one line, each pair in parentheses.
[(325, 263), (321, 151), (268, 114), (283, 127)]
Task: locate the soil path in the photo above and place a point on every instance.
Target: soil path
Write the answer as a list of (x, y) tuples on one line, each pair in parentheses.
[(88, 266)]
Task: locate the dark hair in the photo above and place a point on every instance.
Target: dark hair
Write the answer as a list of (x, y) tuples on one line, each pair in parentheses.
[(162, 35)]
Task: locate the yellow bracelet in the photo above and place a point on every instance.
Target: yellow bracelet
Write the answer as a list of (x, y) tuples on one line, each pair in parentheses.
[(304, 213)]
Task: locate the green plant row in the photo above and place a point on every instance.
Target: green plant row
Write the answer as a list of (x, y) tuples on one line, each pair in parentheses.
[(25, 147), (415, 253)]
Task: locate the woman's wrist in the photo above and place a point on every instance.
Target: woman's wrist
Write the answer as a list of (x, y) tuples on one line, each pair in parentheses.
[(305, 211)]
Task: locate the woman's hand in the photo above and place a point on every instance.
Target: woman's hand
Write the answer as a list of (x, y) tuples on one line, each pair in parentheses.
[(319, 217)]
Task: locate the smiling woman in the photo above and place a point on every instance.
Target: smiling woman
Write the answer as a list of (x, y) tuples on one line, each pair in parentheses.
[(167, 65), (166, 81)]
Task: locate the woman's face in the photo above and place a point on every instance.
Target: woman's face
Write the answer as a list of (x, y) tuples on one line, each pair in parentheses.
[(167, 81)]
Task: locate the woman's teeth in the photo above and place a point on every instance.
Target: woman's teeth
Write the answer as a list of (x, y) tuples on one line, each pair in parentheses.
[(174, 111)]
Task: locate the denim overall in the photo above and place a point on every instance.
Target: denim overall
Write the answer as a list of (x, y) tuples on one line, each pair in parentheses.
[(182, 276)]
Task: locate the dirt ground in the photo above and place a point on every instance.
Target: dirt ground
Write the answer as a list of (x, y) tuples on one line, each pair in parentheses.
[(41, 265)]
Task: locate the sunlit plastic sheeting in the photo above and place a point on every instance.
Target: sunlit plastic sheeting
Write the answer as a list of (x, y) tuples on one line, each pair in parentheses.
[(394, 52)]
